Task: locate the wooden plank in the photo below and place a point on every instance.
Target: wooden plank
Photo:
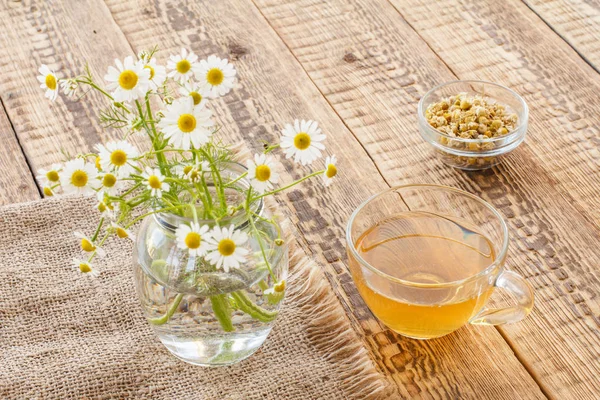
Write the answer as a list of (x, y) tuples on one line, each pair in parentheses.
[(373, 68), (576, 21), (63, 36), (16, 180), (273, 90)]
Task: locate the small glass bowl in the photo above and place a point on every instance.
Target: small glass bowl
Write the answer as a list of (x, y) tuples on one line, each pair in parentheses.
[(457, 152)]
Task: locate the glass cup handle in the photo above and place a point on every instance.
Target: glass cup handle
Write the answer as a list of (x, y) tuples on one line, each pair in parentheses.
[(521, 289)]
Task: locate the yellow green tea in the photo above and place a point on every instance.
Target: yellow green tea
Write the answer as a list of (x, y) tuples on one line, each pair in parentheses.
[(423, 248)]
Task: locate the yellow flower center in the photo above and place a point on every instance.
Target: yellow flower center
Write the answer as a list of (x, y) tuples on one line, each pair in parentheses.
[(183, 66), (331, 171), (118, 158), (215, 76), (101, 207), (263, 172), (192, 240), (97, 163), (109, 180), (52, 176), (154, 182), (83, 267), (48, 191), (79, 178), (122, 233), (151, 70), (86, 245), (187, 169), (50, 82), (226, 247), (197, 97), (128, 79), (186, 123), (302, 141)]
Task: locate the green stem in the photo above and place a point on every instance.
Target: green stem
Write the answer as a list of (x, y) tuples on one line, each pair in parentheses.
[(281, 189), (98, 229), (131, 190), (194, 212), (222, 310), (154, 212), (160, 157), (236, 179), (92, 84), (217, 179), (262, 248), (207, 193), (162, 320), (246, 305)]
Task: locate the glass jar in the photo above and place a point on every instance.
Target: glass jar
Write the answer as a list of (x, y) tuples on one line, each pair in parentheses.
[(203, 315)]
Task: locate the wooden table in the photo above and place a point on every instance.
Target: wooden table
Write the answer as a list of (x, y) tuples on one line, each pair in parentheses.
[(359, 67)]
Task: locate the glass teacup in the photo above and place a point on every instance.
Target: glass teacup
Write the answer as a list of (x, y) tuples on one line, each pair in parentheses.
[(426, 259)]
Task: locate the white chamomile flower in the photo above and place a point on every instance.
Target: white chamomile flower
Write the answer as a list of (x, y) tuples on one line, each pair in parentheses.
[(117, 156), (106, 209), (330, 170), (97, 164), (216, 76), (155, 182), (261, 173), (48, 192), (85, 267), (48, 81), (193, 90), (69, 87), (78, 176), (225, 247), (88, 245), (49, 177), (193, 172), (193, 238), (129, 81), (185, 124), (158, 73), (276, 293), (302, 141), (121, 232), (279, 287), (181, 65), (109, 184)]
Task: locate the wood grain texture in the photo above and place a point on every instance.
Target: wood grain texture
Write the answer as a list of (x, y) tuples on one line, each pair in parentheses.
[(576, 21), (17, 183), (62, 35), (273, 90), (373, 67)]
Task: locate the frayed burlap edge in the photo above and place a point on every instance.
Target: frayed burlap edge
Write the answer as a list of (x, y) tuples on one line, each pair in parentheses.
[(330, 330)]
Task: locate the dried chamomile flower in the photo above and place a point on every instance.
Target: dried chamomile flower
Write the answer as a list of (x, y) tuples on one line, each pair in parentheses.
[(470, 117)]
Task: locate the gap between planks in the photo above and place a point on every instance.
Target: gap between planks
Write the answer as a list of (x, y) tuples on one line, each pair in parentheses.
[(13, 131), (560, 35)]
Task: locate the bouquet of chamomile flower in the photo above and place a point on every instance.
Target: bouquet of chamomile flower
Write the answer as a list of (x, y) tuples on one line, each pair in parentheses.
[(183, 171)]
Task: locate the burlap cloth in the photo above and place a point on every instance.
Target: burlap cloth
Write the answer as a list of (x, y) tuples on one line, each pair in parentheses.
[(65, 335)]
